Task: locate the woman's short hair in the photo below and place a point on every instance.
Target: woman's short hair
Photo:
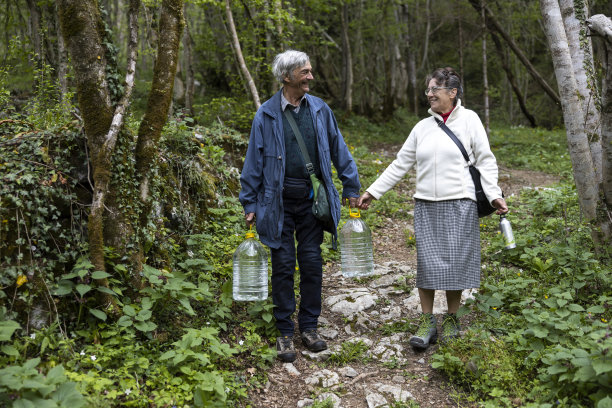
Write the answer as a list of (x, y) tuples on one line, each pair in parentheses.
[(449, 78), (286, 62)]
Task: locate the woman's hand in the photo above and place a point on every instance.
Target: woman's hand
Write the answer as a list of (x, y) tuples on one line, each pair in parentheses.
[(501, 206), (365, 200), (351, 200)]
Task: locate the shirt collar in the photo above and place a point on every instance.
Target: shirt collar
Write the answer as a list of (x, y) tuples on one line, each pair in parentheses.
[(285, 102)]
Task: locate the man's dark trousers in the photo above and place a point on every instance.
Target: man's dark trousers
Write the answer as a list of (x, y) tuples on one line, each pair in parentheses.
[(309, 234)]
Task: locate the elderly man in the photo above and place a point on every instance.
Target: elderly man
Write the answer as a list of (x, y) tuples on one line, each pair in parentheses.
[(277, 194)]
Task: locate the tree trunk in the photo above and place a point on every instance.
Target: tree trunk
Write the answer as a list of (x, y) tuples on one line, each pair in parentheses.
[(503, 57), (601, 26), (581, 51), (460, 49), (170, 29), (485, 78), (347, 60), (34, 26), (494, 25), (426, 37), (80, 20), (573, 116), (62, 61), (239, 56), (189, 64)]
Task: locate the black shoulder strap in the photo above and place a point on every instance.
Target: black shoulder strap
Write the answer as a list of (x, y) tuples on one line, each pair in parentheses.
[(454, 138), (300, 140)]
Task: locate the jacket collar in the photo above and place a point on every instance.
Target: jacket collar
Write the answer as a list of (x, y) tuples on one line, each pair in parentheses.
[(453, 114), (272, 106)]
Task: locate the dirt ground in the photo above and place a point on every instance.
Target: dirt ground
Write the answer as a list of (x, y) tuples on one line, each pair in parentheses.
[(427, 386)]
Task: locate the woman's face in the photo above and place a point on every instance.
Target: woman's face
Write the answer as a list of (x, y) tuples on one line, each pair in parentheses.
[(441, 101)]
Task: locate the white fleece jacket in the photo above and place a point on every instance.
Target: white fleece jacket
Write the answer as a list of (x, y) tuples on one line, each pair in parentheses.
[(441, 171)]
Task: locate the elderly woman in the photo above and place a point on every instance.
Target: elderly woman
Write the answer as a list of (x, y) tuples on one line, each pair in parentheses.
[(445, 212)]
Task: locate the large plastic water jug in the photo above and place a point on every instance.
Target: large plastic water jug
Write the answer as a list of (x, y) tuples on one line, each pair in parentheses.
[(356, 247), (250, 270)]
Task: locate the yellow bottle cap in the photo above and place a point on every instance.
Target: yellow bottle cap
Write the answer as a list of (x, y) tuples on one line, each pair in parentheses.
[(354, 214), (250, 233)]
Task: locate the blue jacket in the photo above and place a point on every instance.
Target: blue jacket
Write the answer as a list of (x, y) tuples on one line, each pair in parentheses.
[(264, 166)]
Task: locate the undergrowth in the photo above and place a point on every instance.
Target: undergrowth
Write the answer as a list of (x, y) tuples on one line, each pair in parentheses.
[(541, 335)]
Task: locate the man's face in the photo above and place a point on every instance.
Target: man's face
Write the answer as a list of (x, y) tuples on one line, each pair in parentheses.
[(300, 79)]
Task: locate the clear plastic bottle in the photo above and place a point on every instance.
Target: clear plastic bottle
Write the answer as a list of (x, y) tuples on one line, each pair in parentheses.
[(506, 230), (356, 247), (250, 270)]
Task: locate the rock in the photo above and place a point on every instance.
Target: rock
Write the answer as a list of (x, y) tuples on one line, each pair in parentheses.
[(351, 301), (394, 314), (399, 379), (324, 378), (375, 400), (421, 361), (319, 356), (389, 349), (381, 269), (328, 333), (348, 372), (384, 281), (394, 392), (331, 396), (290, 368), (306, 402)]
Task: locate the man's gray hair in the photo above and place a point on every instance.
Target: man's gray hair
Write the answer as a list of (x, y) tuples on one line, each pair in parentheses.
[(284, 63)]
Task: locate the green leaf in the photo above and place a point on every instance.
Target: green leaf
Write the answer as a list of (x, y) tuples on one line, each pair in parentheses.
[(83, 289), (106, 290), (129, 310), (601, 367), (596, 309), (575, 308), (7, 328), (124, 321), (64, 287), (145, 326), (100, 275), (10, 350), (605, 403), (98, 313)]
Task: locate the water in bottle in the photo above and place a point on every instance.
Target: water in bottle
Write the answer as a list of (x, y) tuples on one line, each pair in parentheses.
[(250, 267), (356, 247), (506, 230)]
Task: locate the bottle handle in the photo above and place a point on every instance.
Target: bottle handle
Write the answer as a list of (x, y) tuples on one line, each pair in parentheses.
[(354, 214)]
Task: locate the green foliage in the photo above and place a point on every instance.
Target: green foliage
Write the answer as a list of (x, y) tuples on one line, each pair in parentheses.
[(234, 112), (547, 301), (533, 149), (349, 351), (23, 386)]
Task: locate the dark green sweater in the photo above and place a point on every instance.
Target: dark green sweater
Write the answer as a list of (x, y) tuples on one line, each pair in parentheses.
[(294, 163)]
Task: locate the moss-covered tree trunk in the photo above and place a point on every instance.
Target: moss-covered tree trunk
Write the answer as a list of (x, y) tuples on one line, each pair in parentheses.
[(170, 30), (81, 28)]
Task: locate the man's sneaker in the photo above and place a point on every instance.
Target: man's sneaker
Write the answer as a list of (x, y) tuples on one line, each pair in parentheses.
[(284, 349), (450, 327), (427, 332), (312, 341)]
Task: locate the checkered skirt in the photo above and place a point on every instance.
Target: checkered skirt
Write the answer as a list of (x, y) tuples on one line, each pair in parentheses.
[(448, 244)]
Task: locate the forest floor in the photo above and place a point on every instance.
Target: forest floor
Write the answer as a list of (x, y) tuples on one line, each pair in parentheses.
[(389, 372)]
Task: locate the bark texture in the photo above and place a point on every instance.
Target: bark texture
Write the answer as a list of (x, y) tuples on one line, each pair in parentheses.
[(170, 29), (81, 25), (601, 26), (573, 116), (581, 52)]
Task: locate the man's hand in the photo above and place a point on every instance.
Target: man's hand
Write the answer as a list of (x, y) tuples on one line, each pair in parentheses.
[(365, 200), (250, 219), (351, 200)]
